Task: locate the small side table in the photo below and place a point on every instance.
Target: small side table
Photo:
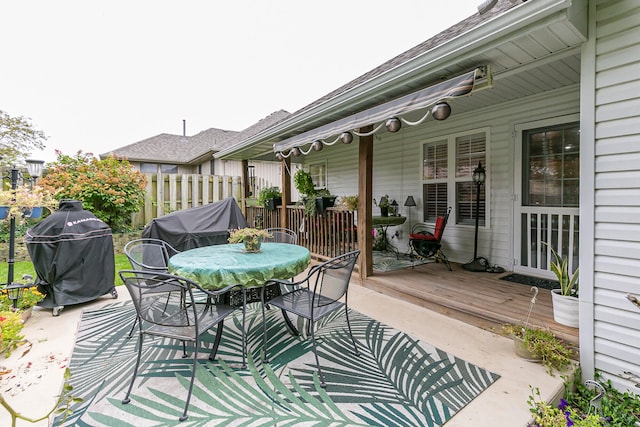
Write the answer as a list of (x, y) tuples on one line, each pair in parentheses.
[(382, 223)]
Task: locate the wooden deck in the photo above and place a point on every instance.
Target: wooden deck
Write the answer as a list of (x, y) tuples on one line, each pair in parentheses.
[(480, 299)]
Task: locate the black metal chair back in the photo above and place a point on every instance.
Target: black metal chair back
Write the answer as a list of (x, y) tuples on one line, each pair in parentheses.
[(281, 235), (165, 307), (149, 254), (316, 296)]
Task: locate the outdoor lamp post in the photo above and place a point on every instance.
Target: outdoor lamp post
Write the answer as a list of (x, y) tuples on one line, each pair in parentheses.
[(34, 168), (477, 264), (14, 293)]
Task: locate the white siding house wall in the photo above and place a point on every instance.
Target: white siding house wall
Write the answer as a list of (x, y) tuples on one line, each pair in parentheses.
[(397, 169), (616, 224)]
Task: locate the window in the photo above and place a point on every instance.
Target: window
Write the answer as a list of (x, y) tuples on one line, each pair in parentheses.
[(169, 168), (551, 166), (212, 168), (148, 168), (318, 173), (448, 165)]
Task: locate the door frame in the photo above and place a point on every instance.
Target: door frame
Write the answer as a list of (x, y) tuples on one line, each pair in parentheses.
[(518, 172)]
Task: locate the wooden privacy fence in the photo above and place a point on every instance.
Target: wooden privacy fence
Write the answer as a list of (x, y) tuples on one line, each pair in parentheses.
[(167, 193)]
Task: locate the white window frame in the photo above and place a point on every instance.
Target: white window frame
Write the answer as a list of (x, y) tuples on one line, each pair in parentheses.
[(320, 178), (452, 180)]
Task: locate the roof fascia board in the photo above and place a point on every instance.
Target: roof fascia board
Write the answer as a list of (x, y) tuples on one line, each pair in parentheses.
[(502, 26)]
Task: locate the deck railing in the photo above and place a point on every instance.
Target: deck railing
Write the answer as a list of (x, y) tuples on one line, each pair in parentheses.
[(326, 236)]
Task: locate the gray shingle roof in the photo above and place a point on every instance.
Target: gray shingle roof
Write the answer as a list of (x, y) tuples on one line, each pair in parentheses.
[(174, 149), (178, 149)]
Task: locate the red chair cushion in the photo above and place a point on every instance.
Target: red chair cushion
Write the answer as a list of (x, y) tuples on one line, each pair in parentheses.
[(439, 228)]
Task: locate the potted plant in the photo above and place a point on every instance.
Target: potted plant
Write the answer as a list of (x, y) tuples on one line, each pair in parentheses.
[(537, 344), (350, 202), (26, 202), (251, 237), (564, 300), (315, 201), (383, 205), (270, 197), (324, 199)]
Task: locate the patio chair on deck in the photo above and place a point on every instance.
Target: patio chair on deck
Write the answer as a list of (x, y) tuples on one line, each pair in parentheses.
[(426, 242), (316, 296), (281, 235), (165, 307)]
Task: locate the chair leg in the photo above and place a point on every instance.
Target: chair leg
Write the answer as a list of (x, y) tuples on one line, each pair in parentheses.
[(315, 353), (289, 323), (443, 258), (133, 327), (355, 347), (244, 336), (265, 357), (193, 377), (216, 342), (135, 369)]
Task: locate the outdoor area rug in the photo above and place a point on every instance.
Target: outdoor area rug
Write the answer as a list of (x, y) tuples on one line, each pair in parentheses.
[(396, 381), (531, 281), (389, 261)]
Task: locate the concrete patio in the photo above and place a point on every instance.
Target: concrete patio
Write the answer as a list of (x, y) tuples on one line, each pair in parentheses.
[(36, 369)]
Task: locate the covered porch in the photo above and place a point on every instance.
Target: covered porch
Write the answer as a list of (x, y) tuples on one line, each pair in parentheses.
[(480, 299)]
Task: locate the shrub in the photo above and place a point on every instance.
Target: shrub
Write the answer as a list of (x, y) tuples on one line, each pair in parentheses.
[(11, 327), (110, 188)]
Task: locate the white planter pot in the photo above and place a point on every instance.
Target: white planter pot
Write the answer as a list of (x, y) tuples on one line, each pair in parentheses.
[(565, 309)]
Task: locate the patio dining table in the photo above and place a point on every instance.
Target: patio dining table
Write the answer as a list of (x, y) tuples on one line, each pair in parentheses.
[(215, 267)]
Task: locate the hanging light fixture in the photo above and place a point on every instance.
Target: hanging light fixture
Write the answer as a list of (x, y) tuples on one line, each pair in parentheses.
[(295, 151), (441, 111), (317, 146), (346, 137), (279, 156), (393, 124)]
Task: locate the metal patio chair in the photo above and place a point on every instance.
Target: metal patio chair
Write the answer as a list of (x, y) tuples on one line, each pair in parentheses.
[(281, 235), (148, 254), (316, 296), (426, 241), (165, 307)]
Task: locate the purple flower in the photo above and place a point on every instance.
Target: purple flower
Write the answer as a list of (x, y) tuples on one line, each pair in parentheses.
[(563, 404), (567, 416)]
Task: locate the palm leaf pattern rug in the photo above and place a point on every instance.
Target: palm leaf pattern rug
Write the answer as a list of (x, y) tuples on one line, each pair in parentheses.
[(396, 380)]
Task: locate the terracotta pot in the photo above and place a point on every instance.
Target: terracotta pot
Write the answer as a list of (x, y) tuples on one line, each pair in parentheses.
[(565, 309)]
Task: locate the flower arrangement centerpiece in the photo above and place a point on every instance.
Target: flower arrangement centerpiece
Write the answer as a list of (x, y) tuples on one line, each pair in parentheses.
[(251, 237)]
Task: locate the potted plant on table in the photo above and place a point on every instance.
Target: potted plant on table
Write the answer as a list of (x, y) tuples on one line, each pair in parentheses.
[(565, 299), (270, 197), (251, 237), (383, 205)]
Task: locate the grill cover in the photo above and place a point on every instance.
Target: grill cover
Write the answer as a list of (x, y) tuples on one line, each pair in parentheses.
[(205, 225), (72, 254)]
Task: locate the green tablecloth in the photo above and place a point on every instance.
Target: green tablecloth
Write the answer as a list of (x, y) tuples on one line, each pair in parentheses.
[(215, 267)]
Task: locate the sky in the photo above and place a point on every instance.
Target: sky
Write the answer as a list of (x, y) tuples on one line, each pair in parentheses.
[(98, 75)]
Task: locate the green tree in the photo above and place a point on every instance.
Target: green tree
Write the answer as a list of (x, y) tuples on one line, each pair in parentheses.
[(18, 138), (110, 188)]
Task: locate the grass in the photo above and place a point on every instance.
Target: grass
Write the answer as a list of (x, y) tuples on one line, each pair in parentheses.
[(26, 267)]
